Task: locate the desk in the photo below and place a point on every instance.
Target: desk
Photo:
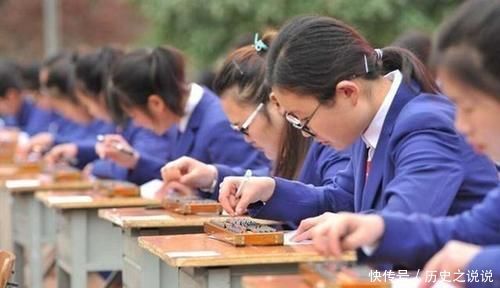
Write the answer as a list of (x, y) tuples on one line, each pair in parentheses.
[(32, 224), (5, 209), (86, 242), (226, 265), (136, 222)]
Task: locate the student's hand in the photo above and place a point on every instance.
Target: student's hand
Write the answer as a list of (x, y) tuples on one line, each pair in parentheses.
[(335, 233), (255, 189), (175, 187), (113, 146), (62, 152), (453, 257), (39, 142), (189, 172), (87, 171)]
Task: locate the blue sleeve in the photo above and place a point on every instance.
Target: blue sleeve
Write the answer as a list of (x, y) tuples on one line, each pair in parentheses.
[(486, 260), (321, 164), (86, 153), (107, 169), (294, 201), (148, 168), (224, 171), (425, 235), (229, 148)]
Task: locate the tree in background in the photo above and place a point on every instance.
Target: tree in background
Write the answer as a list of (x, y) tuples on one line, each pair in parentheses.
[(205, 29)]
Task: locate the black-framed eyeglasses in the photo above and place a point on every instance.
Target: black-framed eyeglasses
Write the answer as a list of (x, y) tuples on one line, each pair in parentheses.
[(302, 124), (244, 127)]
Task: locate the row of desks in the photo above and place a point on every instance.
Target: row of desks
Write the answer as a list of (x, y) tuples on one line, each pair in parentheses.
[(151, 246)]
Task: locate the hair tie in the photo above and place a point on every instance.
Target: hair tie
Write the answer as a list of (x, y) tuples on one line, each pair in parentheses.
[(258, 44), (379, 53)]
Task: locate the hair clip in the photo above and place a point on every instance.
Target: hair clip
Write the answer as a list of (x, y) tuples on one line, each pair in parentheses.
[(237, 67), (259, 44), (366, 64), (380, 54)]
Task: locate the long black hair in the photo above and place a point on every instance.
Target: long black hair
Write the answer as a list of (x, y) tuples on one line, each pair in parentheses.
[(61, 76), (93, 71), (142, 73), (312, 54), (468, 44), (245, 69), (10, 77)]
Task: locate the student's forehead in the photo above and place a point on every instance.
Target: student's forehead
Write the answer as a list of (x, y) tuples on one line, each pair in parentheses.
[(293, 103)]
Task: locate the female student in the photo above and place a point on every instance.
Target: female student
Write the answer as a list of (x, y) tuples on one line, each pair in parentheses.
[(92, 73), (406, 154), (152, 89), (246, 102), (467, 49), (16, 107), (76, 124)]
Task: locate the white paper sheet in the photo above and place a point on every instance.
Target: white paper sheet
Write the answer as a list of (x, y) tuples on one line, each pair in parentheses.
[(22, 183), (149, 189), (69, 199), (188, 254), (287, 239)]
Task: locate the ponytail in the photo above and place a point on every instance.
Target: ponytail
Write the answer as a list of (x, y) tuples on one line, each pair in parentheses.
[(143, 73), (410, 66)]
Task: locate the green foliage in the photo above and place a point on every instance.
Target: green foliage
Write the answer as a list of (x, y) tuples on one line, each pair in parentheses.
[(205, 29)]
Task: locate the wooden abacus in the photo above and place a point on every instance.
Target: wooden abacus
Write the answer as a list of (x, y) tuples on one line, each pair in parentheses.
[(338, 275), (113, 188), (243, 232), (28, 167), (66, 173), (188, 205)]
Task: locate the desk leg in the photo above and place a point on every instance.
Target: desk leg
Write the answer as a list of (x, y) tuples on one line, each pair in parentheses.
[(19, 265), (141, 268), (5, 220), (219, 278), (74, 231), (35, 249), (150, 271), (27, 229)]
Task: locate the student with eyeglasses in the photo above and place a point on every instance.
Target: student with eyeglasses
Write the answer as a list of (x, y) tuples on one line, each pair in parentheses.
[(247, 103), (466, 51), (406, 154), (152, 89)]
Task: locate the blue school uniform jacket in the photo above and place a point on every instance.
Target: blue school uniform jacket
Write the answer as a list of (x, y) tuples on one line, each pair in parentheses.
[(31, 119), (85, 137), (208, 138), (421, 164), (321, 164), (143, 141), (424, 235)]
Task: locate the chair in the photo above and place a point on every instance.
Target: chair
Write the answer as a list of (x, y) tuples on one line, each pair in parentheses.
[(6, 265)]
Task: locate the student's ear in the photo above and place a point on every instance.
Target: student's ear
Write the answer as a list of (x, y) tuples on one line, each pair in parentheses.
[(274, 101), (347, 90), (155, 104)]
